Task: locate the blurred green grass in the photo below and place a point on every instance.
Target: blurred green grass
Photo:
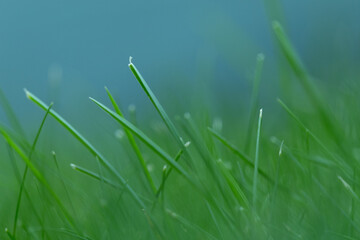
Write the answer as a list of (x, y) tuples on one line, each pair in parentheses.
[(308, 158)]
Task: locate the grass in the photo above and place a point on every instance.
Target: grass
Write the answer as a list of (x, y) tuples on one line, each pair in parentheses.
[(299, 181)]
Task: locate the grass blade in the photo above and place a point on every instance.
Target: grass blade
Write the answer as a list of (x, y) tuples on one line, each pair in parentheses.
[(11, 114), (237, 152), (307, 83), (189, 224), (26, 170), (152, 145), (95, 176), (9, 234), (133, 144), (254, 100), (62, 181), (234, 186), (167, 173), (256, 165), (156, 104), (87, 144), (338, 162), (39, 176)]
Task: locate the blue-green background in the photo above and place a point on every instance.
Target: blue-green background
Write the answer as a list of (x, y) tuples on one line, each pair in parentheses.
[(65, 51)]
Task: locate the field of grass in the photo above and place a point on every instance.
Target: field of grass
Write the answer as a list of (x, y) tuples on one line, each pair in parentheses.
[(193, 177)]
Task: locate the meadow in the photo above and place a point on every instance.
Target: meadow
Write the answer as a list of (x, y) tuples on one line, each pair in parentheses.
[(284, 173)]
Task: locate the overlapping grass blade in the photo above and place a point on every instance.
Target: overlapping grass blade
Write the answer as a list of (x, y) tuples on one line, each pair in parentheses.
[(157, 104), (133, 144), (254, 101), (234, 186), (307, 83), (62, 181), (237, 152), (295, 62), (166, 174), (189, 224), (338, 162), (95, 176), (22, 185), (39, 176), (151, 144), (87, 144), (256, 164)]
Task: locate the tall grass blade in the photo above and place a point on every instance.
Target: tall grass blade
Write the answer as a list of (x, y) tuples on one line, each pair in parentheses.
[(87, 144), (156, 104), (295, 62), (62, 181), (95, 176), (152, 145), (133, 144), (338, 162), (167, 172), (26, 170), (234, 186), (39, 176), (237, 152), (254, 100), (307, 83), (256, 164)]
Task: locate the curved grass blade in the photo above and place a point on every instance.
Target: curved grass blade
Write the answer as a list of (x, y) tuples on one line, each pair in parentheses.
[(256, 165), (95, 176), (338, 162), (87, 144), (133, 144), (39, 176), (18, 177), (9, 234), (26, 170), (234, 186), (63, 182), (152, 145), (166, 174), (307, 83), (237, 152), (156, 104), (254, 100)]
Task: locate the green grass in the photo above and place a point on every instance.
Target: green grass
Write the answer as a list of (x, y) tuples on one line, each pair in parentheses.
[(290, 175)]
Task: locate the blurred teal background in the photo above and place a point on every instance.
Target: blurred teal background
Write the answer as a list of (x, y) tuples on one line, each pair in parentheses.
[(65, 51)]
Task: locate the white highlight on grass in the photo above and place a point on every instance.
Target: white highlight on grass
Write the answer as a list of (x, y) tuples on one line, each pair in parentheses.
[(260, 57), (73, 166), (281, 147), (130, 60), (217, 124), (132, 108), (150, 167), (346, 185), (119, 134), (27, 93), (187, 144)]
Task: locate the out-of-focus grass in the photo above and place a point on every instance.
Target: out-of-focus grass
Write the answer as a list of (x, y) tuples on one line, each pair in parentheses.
[(191, 180)]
